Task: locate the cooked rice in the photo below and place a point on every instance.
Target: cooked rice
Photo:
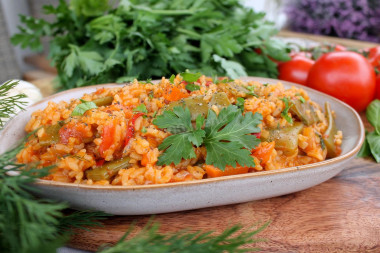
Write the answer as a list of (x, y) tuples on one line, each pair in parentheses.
[(81, 151)]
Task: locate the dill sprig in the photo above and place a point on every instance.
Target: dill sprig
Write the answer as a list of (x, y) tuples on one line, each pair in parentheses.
[(149, 239), (9, 104), (29, 224)]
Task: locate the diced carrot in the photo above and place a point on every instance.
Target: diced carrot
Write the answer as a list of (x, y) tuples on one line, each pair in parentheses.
[(228, 171), (263, 151), (145, 160), (173, 93)]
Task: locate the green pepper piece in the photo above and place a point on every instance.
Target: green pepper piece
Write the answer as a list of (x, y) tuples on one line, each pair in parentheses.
[(331, 131), (286, 139), (103, 101), (107, 170), (51, 135), (219, 99), (196, 105), (304, 111)]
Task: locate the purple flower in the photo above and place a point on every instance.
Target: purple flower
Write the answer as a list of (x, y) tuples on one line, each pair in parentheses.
[(354, 19)]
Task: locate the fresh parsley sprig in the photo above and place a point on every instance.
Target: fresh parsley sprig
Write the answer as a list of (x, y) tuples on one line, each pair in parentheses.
[(227, 136), (102, 41), (285, 112)]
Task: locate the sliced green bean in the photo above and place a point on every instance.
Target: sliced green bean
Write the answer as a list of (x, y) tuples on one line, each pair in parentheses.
[(107, 170), (286, 139), (328, 136)]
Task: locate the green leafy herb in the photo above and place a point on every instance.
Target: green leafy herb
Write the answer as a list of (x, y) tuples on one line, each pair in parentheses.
[(80, 109), (9, 104), (227, 137), (240, 103), (102, 41), (143, 130), (192, 87), (149, 239), (190, 77), (28, 224), (180, 144), (371, 145), (374, 145), (285, 112), (251, 91), (141, 108), (224, 80), (172, 77), (300, 97), (228, 140), (373, 115)]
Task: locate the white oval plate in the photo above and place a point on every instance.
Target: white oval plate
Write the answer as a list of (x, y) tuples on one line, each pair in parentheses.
[(153, 199)]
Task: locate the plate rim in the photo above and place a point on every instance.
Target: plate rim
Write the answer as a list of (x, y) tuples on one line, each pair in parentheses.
[(335, 160)]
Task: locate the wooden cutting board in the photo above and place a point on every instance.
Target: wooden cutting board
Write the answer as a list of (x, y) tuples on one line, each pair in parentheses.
[(340, 215)]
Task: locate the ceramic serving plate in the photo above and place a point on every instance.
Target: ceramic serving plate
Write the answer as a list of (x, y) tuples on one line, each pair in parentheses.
[(153, 199)]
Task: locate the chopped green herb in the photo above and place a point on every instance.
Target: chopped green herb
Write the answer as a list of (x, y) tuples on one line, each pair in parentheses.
[(190, 77), (154, 114), (171, 79), (141, 108), (151, 95), (225, 80), (251, 91), (149, 80), (192, 87), (80, 109), (240, 103), (285, 112), (301, 98), (143, 130)]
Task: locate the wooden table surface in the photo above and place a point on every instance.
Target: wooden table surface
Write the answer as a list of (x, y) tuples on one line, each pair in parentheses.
[(339, 215)]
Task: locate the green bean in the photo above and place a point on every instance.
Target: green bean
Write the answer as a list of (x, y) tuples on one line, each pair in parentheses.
[(107, 170), (51, 135), (304, 111), (103, 101), (286, 139), (328, 136)]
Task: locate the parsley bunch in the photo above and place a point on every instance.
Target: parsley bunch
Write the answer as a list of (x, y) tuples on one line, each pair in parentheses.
[(227, 136), (100, 41)]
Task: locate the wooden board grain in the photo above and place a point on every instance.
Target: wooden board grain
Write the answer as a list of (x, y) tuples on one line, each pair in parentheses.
[(340, 215)]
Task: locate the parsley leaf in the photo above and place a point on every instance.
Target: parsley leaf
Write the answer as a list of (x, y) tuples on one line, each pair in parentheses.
[(141, 108), (284, 113), (228, 140), (227, 136), (251, 91), (192, 87), (172, 77), (240, 103), (80, 109), (180, 144), (190, 77)]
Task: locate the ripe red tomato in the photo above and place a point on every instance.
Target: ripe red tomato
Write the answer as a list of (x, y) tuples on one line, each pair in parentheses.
[(378, 87), (374, 56), (347, 76), (295, 70)]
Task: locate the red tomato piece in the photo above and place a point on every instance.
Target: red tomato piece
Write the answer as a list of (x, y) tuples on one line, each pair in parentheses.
[(107, 138), (71, 130), (347, 76), (296, 70), (374, 56), (131, 127)]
